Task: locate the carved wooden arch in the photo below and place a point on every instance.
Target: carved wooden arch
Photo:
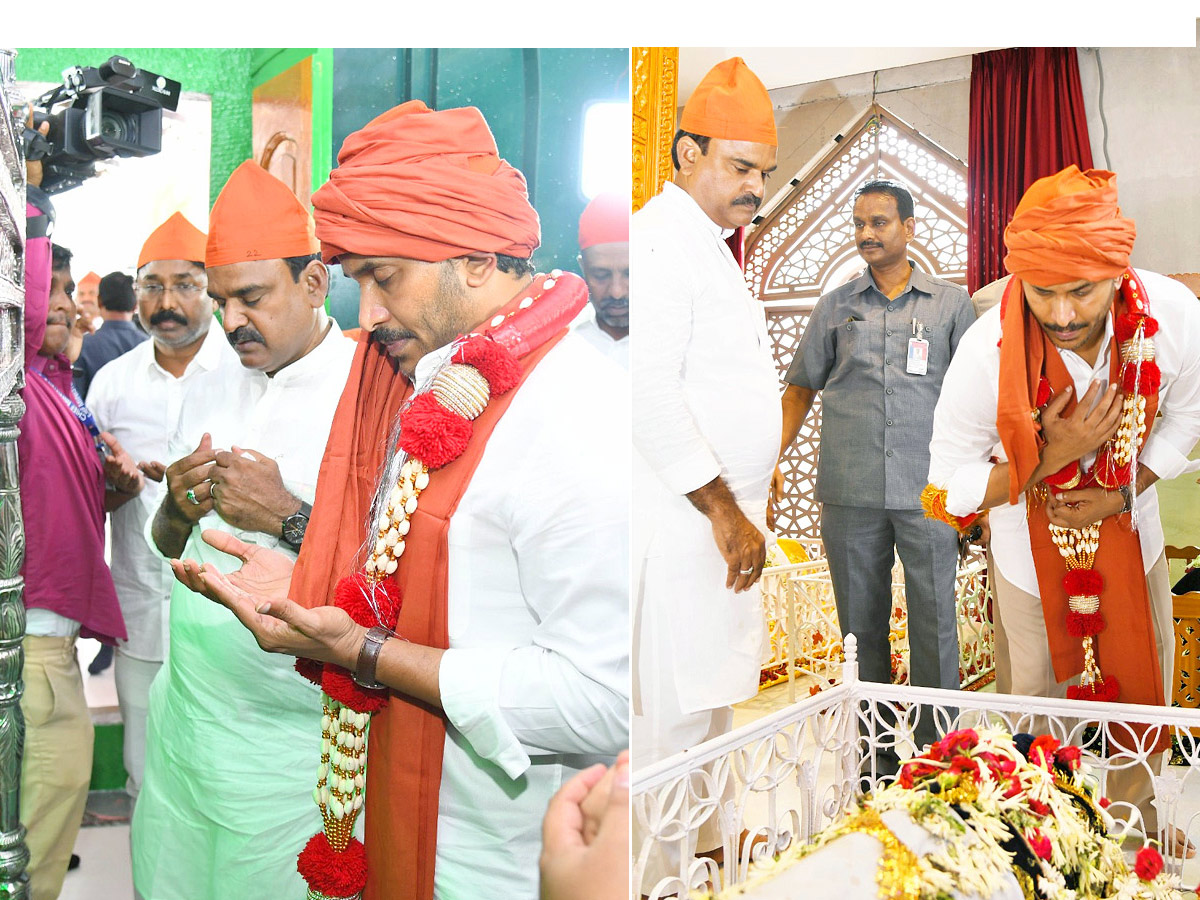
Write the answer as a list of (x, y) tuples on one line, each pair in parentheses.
[(804, 246)]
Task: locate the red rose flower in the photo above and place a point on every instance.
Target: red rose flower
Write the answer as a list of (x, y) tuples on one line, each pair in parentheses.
[(1039, 807), (1068, 756), (1104, 802), (1039, 844), (1148, 864), (964, 739), (1041, 751)]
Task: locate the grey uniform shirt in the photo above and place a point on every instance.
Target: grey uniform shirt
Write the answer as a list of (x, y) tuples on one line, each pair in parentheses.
[(877, 419)]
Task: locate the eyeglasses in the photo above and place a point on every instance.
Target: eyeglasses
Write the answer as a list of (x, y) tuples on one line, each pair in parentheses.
[(152, 291)]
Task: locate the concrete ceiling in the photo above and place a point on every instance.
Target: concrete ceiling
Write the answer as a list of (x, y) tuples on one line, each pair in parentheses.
[(784, 66)]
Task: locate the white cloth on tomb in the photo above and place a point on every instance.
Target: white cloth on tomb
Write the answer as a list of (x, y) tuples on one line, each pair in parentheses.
[(965, 435), (535, 685), (139, 402), (234, 733), (706, 404), (617, 350)]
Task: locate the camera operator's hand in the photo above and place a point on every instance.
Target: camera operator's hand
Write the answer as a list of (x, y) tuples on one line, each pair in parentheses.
[(33, 168)]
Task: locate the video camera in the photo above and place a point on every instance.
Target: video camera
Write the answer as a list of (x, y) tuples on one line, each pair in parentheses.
[(97, 113)]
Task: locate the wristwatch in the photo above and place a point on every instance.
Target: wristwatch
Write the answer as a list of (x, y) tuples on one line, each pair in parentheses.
[(368, 658), (295, 525), (1127, 494)]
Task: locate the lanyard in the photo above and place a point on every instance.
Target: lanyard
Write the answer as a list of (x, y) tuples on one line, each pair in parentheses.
[(79, 410)]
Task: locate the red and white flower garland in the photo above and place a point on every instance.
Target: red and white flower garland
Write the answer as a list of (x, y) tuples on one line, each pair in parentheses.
[(1115, 467), (435, 429)]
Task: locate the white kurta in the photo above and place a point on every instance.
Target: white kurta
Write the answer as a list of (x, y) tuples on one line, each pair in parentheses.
[(965, 436), (234, 734), (535, 685), (139, 402), (706, 403), (617, 350)]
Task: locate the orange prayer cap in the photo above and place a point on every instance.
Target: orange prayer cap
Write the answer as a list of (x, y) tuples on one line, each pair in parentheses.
[(176, 238), (605, 221), (256, 216), (731, 104), (1068, 227), (91, 279)]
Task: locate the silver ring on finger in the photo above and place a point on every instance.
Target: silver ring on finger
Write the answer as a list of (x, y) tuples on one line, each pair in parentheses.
[(745, 571), (191, 495)]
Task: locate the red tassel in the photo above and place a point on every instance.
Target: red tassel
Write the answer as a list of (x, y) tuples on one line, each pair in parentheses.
[(1151, 326), (1105, 691), (494, 363), (1126, 326), (1083, 583), (354, 594), (1081, 625), (1148, 382), (338, 684), (431, 433), (310, 669), (1043, 392), (333, 874)]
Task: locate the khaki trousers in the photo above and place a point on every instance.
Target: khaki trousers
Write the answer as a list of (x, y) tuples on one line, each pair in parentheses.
[(57, 764), (1021, 636)]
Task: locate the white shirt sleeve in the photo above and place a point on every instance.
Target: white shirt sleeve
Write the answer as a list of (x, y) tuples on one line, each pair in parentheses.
[(562, 686), (1175, 433), (665, 431), (964, 421)]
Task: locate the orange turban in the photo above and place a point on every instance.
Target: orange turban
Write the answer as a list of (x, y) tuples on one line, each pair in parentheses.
[(256, 216), (1068, 227), (427, 185), (176, 238), (731, 104), (605, 221), (91, 279)]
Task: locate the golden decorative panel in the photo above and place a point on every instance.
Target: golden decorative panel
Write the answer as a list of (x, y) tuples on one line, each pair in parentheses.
[(655, 86)]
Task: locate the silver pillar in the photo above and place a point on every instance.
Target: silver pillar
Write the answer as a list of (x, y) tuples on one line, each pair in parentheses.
[(14, 855)]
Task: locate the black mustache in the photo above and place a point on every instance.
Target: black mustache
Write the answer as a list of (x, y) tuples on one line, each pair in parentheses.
[(391, 335), (748, 200), (56, 320), (865, 244), (1061, 328), (168, 315), (243, 334)]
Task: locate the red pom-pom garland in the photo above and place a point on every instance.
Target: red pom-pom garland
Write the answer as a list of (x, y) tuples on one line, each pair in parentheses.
[(431, 433), (1081, 625), (1146, 383), (1083, 583), (1105, 691), (494, 363), (332, 873)]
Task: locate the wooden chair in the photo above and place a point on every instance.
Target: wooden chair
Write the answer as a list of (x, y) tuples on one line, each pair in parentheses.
[(1185, 611)]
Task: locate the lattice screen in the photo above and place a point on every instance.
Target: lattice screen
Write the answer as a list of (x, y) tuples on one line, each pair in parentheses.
[(805, 247)]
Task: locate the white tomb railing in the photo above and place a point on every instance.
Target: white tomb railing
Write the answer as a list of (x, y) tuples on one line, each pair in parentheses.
[(788, 775)]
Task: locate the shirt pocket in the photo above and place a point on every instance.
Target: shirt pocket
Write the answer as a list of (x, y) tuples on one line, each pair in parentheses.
[(854, 349)]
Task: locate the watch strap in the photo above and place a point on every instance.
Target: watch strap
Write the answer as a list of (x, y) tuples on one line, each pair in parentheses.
[(1127, 495), (368, 658)]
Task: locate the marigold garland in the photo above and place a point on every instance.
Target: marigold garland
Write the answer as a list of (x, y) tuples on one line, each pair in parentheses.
[(435, 429)]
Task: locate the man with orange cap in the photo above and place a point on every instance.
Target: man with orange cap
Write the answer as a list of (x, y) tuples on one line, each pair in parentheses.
[(604, 261), (138, 398), (1060, 384), (230, 729), (506, 664), (706, 425)]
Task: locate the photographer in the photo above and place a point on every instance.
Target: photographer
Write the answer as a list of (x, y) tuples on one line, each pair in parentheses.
[(62, 483)]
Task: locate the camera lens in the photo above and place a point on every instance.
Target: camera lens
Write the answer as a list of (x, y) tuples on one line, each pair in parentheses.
[(117, 127)]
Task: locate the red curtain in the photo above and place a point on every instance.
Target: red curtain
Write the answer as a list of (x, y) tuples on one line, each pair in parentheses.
[(1027, 121)]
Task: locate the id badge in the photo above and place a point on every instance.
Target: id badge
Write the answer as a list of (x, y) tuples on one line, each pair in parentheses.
[(918, 356)]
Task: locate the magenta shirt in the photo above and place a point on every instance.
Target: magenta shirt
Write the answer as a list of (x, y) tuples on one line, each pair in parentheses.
[(62, 491)]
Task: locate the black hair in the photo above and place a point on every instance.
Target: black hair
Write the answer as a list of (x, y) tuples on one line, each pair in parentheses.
[(116, 292), (700, 139), (60, 258), (894, 189), (297, 264), (514, 265)]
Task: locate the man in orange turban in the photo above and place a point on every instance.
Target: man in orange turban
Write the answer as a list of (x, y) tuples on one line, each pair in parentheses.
[(604, 261), (1060, 383), (505, 669), (230, 730), (706, 428), (137, 397)]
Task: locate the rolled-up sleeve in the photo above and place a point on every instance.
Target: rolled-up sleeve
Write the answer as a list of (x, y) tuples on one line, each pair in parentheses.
[(664, 430), (815, 356)]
